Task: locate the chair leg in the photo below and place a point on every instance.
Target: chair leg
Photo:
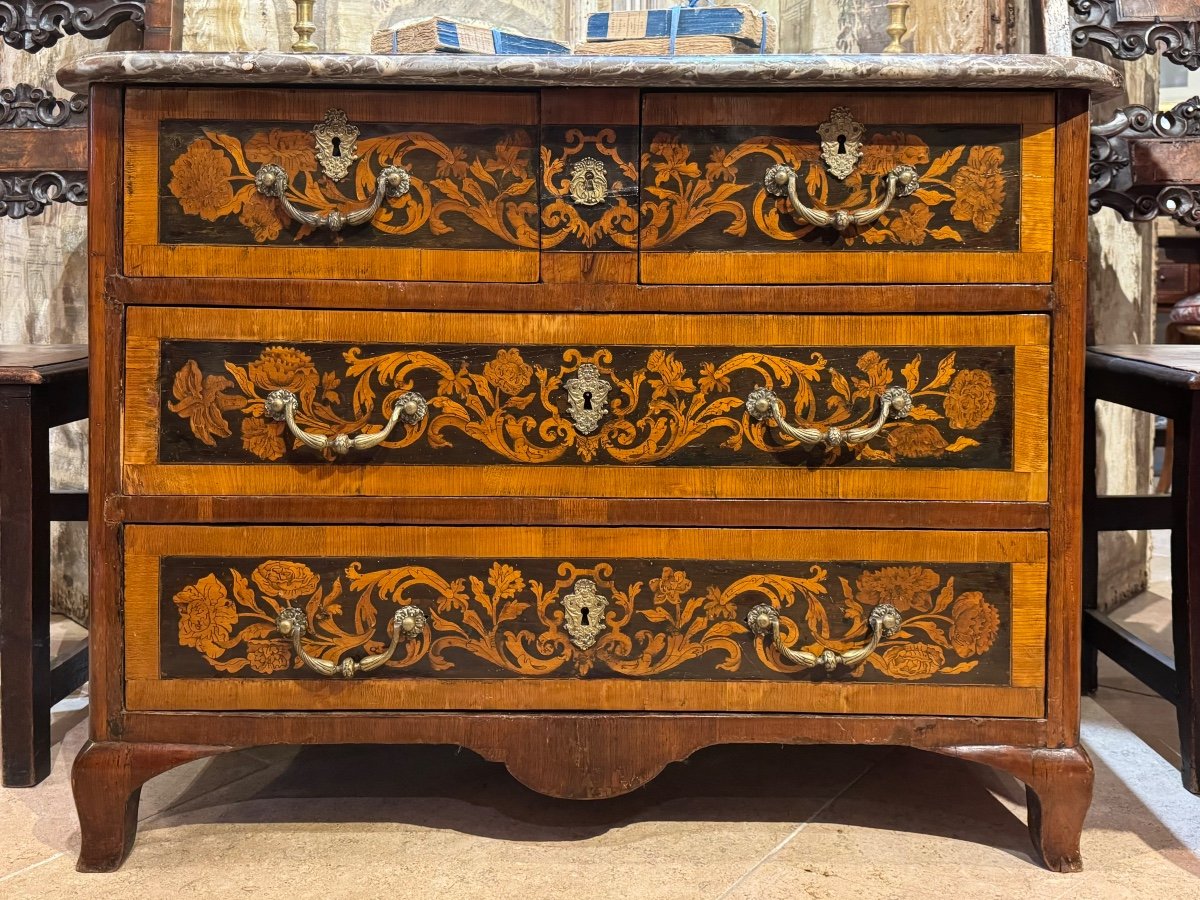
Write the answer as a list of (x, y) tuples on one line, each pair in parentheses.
[(1089, 673), (24, 589), (1185, 584)]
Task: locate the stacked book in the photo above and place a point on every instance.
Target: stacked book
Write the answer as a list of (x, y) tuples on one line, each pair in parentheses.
[(438, 35), (684, 31)]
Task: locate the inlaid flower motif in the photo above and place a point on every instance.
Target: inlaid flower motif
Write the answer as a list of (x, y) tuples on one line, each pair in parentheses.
[(904, 587), (671, 371), (717, 605), (201, 181), (976, 624), (675, 161), (510, 158), (262, 218), (284, 368), (979, 188), (911, 226), (268, 656), (912, 662), (508, 372), (719, 166), (293, 150), (263, 438), (886, 151), (971, 399), (201, 399), (285, 580), (206, 616), (671, 586), (916, 441), (454, 163), (710, 381), (506, 580)]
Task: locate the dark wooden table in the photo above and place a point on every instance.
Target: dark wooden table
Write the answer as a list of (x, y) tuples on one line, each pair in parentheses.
[(40, 388), (1163, 379)]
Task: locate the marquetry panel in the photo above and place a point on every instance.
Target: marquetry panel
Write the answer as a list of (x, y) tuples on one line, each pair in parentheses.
[(982, 211), (669, 611), (674, 421), (470, 214)]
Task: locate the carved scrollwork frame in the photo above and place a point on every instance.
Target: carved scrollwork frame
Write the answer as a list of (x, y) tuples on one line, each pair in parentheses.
[(1130, 36), (29, 117), (1110, 169), (33, 25)]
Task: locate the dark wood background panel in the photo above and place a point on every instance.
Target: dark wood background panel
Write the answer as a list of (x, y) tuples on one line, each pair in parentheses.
[(672, 609), (328, 367), (461, 174), (702, 189)]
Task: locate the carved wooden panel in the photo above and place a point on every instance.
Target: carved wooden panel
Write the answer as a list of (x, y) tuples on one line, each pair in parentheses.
[(670, 412), (1139, 163), (43, 150), (1130, 29), (500, 616), (32, 25)]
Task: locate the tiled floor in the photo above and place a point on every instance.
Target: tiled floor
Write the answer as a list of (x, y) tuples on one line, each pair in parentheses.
[(733, 822)]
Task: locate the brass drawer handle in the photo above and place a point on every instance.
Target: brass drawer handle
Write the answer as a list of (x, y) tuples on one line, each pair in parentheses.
[(407, 623), (780, 181), (884, 622), (281, 406), (272, 181), (894, 402)]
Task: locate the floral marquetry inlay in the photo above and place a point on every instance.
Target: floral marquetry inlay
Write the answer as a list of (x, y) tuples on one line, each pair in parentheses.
[(460, 190), (644, 406), (704, 190), (522, 617)]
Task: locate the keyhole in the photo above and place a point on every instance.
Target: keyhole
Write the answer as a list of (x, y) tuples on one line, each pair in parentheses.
[(337, 146), (587, 399), (841, 143), (583, 616)]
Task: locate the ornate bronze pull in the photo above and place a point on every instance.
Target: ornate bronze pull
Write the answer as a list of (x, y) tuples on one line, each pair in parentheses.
[(884, 622), (894, 402), (408, 622), (281, 406), (272, 181), (780, 181)]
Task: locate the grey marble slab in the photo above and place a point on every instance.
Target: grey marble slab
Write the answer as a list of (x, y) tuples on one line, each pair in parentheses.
[(800, 71)]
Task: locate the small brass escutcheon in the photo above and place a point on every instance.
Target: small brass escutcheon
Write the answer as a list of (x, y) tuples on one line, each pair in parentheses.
[(589, 184), (337, 144), (841, 143), (587, 398), (584, 608)]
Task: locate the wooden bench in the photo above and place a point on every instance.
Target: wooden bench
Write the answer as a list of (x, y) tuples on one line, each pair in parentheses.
[(40, 388), (1163, 379)]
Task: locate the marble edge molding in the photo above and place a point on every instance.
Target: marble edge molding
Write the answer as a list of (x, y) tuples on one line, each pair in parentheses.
[(785, 71)]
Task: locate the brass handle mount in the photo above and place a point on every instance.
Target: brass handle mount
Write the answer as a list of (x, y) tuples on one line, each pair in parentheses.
[(780, 181), (281, 406), (407, 623), (884, 622), (894, 403), (391, 182)]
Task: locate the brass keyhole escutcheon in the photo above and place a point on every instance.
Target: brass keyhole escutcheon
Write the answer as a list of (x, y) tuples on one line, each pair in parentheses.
[(589, 184), (583, 613)]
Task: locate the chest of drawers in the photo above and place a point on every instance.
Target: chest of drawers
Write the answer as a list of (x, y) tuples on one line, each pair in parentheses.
[(585, 413)]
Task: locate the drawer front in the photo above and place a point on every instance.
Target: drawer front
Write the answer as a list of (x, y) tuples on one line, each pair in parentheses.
[(933, 407), (939, 623), (463, 204), (977, 208)]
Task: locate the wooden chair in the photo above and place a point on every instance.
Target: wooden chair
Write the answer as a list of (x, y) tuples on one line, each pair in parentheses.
[(1145, 165), (43, 160)]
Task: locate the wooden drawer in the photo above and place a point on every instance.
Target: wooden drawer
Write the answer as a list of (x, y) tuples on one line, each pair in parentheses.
[(983, 211), (668, 398), (469, 158), (500, 621)]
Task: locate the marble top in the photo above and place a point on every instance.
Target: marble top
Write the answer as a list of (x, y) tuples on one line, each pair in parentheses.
[(742, 71)]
